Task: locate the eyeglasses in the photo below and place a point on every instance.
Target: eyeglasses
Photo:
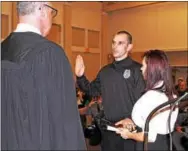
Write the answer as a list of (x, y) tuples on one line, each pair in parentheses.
[(54, 11)]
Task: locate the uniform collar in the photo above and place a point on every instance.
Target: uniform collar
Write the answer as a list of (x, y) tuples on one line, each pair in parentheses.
[(125, 62)]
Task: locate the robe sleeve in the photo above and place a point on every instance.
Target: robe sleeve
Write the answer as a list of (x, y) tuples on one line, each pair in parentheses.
[(92, 88)]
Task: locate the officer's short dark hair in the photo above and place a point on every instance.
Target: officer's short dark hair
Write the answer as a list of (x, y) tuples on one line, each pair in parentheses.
[(129, 36)]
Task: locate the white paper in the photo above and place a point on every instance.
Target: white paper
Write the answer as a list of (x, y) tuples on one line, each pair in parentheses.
[(111, 128)]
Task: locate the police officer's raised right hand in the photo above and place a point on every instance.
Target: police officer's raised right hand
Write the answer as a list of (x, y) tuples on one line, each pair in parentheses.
[(79, 66)]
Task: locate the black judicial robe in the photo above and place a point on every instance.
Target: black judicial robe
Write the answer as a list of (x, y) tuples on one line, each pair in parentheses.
[(120, 84), (38, 105)]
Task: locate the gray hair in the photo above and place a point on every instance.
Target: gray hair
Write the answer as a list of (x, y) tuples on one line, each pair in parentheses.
[(27, 7)]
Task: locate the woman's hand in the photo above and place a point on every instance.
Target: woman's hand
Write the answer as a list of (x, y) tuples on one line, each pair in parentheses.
[(125, 133), (126, 123)]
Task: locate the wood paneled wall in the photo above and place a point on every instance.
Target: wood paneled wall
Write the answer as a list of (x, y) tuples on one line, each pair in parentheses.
[(162, 25), (86, 35), (158, 26), (6, 16)]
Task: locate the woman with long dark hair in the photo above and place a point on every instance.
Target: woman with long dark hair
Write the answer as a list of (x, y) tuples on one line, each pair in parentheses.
[(159, 89)]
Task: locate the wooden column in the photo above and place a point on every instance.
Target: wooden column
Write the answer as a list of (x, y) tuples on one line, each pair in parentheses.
[(104, 39), (6, 16), (68, 32), (14, 16)]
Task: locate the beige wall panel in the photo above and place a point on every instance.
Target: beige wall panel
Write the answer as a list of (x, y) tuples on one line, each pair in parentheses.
[(173, 25), (4, 23), (92, 6), (142, 27), (92, 63), (55, 34), (137, 56), (178, 58), (6, 9), (78, 37), (93, 39), (86, 19)]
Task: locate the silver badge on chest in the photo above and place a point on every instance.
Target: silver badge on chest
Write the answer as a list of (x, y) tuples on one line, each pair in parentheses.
[(127, 73)]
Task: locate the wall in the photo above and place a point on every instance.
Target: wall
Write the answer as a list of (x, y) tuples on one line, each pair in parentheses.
[(157, 26), (163, 26), (86, 35), (6, 14), (176, 58)]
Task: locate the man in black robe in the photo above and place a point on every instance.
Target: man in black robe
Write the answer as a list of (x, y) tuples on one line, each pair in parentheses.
[(38, 105), (120, 84)]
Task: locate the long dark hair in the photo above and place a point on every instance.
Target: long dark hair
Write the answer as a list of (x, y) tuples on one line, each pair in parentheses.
[(158, 69)]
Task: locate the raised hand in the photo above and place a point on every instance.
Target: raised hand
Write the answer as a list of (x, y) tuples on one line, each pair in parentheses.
[(79, 66)]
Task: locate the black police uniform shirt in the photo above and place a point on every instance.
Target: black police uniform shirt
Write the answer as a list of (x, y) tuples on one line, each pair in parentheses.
[(120, 84)]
